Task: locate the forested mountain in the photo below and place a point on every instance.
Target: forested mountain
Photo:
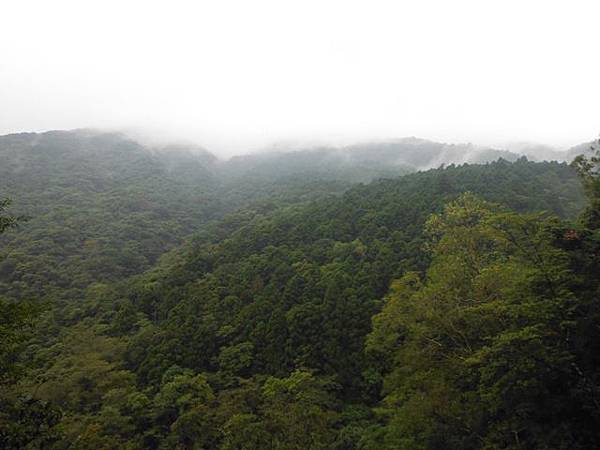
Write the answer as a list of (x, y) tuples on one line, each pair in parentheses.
[(103, 207), (588, 149), (161, 298), (362, 162)]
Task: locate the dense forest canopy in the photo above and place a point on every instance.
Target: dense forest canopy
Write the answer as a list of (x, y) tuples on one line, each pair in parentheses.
[(163, 299)]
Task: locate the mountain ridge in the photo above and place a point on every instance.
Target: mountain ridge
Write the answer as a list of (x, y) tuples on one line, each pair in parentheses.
[(380, 156)]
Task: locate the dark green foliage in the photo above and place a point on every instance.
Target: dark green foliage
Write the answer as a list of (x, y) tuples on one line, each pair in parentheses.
[(301, 284), (6, 221), (487, 351), (588, 168), (24, 421), (28, 423), (300, 312), (104, 207)]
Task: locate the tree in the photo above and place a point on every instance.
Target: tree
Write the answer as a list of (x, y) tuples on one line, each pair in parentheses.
[(23, 420), (480, 349), (6, 220), (183, 410), (299, 412), (588, 169)]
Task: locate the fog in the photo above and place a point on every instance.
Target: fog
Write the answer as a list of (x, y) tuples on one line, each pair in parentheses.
[(235, 76)]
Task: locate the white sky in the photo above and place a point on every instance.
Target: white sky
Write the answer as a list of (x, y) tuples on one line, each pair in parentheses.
[(238, 74)]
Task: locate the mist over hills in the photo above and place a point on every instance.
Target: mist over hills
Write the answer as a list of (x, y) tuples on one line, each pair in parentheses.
[(316, 225), (110, 155), (104, 206), (115, 205), (364, 161)]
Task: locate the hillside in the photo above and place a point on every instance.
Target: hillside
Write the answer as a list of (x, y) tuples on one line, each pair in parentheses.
[(182, 302), (353, 245), (362, 162), (103, 207)]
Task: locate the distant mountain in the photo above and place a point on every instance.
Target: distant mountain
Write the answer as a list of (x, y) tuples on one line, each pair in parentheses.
[(92, 160), (538, 152), (419, 154), (586, 148), (106, 158), (103, 206), (363, 162)]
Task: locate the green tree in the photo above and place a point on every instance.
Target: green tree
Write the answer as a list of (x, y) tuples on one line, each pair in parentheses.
[(480, 354), (299, 412), (24, 421), (6, 220), (588, 168), (184, 412)]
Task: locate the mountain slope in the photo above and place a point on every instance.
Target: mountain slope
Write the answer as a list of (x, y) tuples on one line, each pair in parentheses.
[(319, 266), (254, 330), (103, 207), (362, 162)]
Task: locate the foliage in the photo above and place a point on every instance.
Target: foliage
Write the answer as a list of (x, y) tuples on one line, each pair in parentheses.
[(480, 354), (24, 421), (588, 169), (250, 311)]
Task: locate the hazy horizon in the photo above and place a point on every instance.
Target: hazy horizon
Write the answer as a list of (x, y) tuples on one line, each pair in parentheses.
[(236, 77), (532, 150)]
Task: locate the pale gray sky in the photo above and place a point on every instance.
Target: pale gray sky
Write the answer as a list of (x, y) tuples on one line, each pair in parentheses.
[(239, 74)]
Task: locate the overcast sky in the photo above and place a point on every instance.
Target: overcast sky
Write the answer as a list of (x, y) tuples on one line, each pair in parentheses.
[(234, 75)]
